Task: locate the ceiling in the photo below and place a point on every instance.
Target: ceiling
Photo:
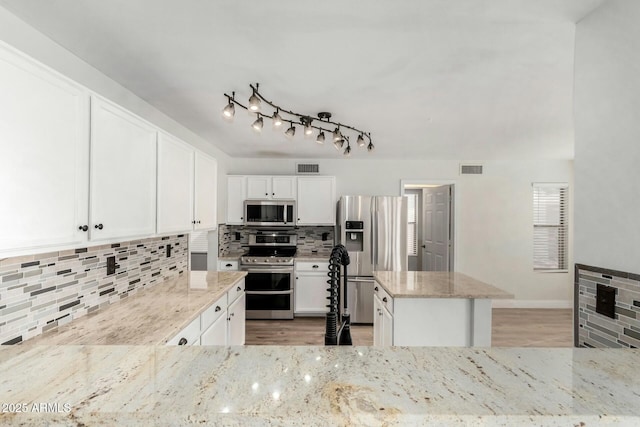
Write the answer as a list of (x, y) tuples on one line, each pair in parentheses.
[(431, 79)]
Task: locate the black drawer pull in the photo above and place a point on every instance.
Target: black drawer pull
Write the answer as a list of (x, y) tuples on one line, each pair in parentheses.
[(218, 308), (239, 289), (183, 341), (315, 266), (384, 299), (375, 289), (228, 265)]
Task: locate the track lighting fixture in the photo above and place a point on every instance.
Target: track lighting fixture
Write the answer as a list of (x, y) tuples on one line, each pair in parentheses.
[(277, 120), (322, 123), (257, 125), (291, 131)]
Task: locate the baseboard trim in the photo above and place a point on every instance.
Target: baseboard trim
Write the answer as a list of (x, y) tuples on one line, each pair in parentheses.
[(528, 303)]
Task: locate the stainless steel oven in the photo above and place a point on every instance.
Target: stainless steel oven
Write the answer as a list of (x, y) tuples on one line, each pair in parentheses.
[(269, 284), (269, 292)]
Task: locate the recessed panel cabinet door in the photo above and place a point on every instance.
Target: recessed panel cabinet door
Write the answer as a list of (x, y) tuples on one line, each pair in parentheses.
[(236, 195), (123, 173), (216, 334), (44, 143), (206, 184), (175, 185), (236, 315), (317, 200)]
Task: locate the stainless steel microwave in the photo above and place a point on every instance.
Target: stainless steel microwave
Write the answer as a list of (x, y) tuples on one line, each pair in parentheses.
[(270, 212)]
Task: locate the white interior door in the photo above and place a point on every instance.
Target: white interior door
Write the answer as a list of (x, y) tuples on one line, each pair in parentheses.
[(436, 234)]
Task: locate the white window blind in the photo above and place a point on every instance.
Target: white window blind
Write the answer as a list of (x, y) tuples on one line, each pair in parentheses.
[(550, 226), (412, 229)]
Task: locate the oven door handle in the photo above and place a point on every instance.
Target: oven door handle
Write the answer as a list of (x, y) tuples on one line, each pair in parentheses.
[(268, 270), (269, 292)]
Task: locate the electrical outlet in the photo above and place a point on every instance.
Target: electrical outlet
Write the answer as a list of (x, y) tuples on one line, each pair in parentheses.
[(111, 265), (168, 251), (237, 235)]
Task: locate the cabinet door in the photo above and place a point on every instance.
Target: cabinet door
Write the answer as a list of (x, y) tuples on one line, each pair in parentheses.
[(44, 165), (283, 187), (206, 186), (216, 334), (377, 322), (316, 200), (236, 194), (258, 187), (311, 293), (237, 321), (175, 185), (123, 173), (387, 328)]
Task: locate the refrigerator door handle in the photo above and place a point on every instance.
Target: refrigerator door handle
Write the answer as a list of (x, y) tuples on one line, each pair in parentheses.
[(361, 279), (374, 233)]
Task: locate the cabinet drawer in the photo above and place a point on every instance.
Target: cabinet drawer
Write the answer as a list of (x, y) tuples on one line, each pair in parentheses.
[(385, 298), (213, 312), (235, 292), (313, 266), (227, 265), (191, 334)]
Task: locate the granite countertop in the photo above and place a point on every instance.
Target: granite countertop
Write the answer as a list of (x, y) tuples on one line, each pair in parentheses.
[(436, 284), (342, 386), (232, 256), (151, 316), (312, 256)]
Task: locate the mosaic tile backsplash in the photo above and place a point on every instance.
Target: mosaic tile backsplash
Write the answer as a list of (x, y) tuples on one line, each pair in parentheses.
[(309, 239), (40, 292), (593, 329)]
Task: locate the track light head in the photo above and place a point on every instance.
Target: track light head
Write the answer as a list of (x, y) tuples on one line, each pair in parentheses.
[(254, 102), (320, 138), (291, 131), (360, 141), (277, 120), (257, 125), (347, 151), (229, 111), (337, 135), (339, 143), (370, 147)]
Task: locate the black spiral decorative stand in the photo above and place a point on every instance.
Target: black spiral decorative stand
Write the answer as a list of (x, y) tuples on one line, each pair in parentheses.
[(335, 335)]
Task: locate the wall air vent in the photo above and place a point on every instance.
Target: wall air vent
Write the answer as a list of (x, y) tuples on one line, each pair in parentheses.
[(470, 169), (307, 168)]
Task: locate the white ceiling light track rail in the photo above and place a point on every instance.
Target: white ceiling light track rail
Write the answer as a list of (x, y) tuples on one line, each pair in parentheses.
[(279, 116)]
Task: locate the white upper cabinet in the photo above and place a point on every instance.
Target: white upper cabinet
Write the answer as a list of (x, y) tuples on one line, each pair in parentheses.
[(271, 187), (123, 173), (175, 185), (206, 187), (44, 168), (316, 200), (236, 195)]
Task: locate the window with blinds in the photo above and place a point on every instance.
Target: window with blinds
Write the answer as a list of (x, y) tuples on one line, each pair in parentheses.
[(550, 226), (412, 226)]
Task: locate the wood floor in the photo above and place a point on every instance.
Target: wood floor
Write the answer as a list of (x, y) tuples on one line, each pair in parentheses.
[(511, 328)]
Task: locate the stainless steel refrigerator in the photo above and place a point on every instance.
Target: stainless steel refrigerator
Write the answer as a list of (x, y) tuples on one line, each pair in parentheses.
[(374, 231)]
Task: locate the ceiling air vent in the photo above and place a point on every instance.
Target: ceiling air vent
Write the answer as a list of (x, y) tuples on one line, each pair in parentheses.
[(470, 169), (307, 168)]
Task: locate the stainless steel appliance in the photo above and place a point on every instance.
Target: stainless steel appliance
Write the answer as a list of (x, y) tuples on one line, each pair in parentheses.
[(270, 213), (269, 284), (374, 231)]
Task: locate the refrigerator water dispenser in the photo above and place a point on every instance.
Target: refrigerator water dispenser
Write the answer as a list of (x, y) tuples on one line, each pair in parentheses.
[(354, 236)]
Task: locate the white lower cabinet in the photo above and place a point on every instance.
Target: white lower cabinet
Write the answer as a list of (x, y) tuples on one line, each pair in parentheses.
[(382, 320), (222, 323), (311, 286), (236, 316), (227, 265)]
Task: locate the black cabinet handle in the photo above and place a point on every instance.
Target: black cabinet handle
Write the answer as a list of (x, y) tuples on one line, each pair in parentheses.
[(273, 194), (266, 194), (218, 308), (241, 217), (193, 222), (98, 226), (233, 314), (228, 265), (315, 266), (83, 227), (239, 288), (384, 299), (183, 341), (375, 289)]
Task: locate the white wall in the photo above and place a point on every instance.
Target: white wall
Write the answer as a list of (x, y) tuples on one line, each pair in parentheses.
[(21, 36), (494, 213), (607, 148)]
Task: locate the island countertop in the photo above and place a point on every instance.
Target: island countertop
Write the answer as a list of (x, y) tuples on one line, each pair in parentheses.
[(436, 284), (319, 386), (150, 316)]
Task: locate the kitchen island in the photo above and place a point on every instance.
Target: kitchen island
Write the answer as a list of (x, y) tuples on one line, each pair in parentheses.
[(317, 386), (432, 308)]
